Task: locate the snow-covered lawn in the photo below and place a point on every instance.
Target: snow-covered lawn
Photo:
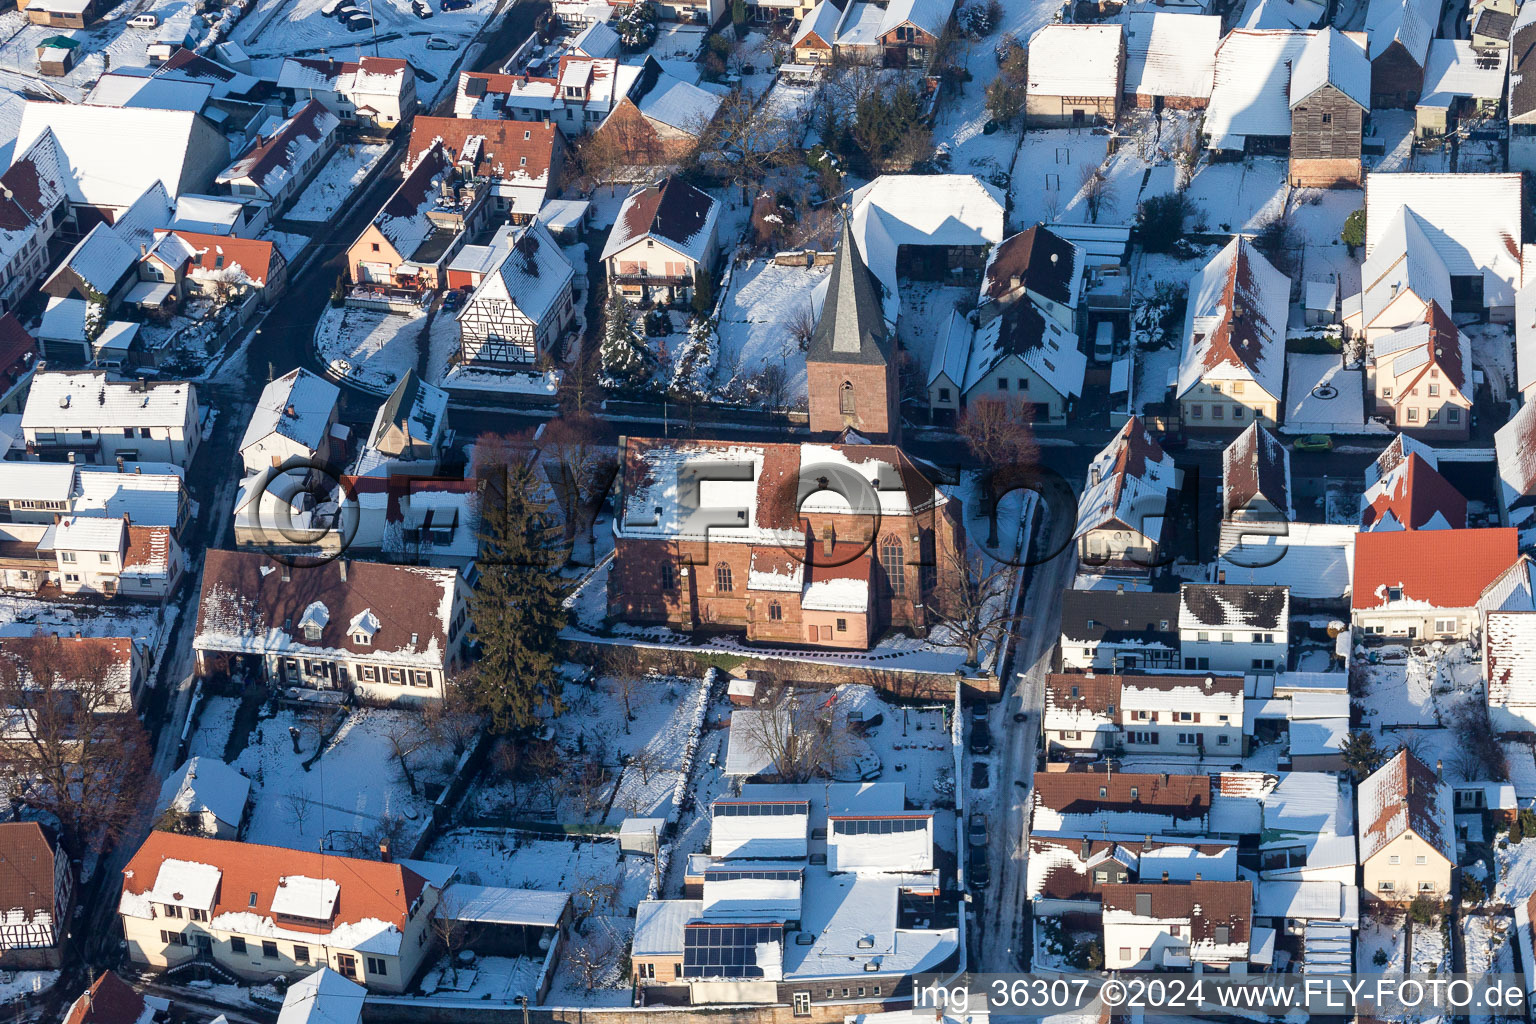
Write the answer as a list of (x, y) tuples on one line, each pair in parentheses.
[(1242, 196), (763, 300), (1050, 169), (295, 28), (1378, 937), (372, 349), (357, 786), (925, 311), (1316, 219), (1431, 949), (645, 760), (215, 721), (340, 175)]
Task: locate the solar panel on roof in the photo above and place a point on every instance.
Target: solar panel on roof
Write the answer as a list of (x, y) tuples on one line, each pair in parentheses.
[(746, 809), (766, 874), (726, 951), (877, 826)]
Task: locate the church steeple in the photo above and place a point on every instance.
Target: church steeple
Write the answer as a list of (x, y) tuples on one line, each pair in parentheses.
[(851, 370), (852, 325)]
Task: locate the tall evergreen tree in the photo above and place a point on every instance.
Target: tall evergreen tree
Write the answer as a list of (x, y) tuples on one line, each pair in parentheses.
[(516, 605), (622, 352)]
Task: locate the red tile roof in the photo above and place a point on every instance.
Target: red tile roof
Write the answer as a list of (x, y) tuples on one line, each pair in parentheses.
[(108, 1001), (253, 256), (1445, 568), (18, 349), (1413, 493), (503, 147), (370, 889)]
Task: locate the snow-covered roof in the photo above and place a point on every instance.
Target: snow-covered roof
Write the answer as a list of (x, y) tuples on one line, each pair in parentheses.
[(860, 24), (146, 498), (205, 784), (597, 40), (1256, 467), (1283, 14), (1404, 795), (323, 997), (114, 153), (1510, 646), (101, 259), (210, 215), (1412, 23), (116, 89), (921, 209), (952, 353), (34, 184), (1235, 325), (1051, 352), (1412, 496), (929, 15), (1314, 560), (88, 398), (1403, 259), (1075, 60), (369, 76), (1525, 321), (276, 156), (659, 926), (298, 405), (1233, 606), (1455, 70), (184, 883), (1250, 95), (678, 104), (1515, 447), (1302, 901), (36, 481), (532, 275), (1435, 343), (821, 21), (1171, 54), (489, 904), (415, 408), (1471, 238), (1333, 58), (1128, 483), (671, 211)]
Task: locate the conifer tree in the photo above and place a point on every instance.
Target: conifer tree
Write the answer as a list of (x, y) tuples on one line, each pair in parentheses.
[(623, 357), (516, 605)]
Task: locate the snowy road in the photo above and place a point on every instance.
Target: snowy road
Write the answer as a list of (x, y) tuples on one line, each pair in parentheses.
[(1000, 937)]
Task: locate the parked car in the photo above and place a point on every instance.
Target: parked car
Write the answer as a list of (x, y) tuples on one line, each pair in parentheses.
[(1019, 714), (981, 737), (453, 5), (980, 871), (1315, 443), (144, 21), (977, 832), (979, 711), (359, 23), (421, 8), (453, 300), (439, 43)]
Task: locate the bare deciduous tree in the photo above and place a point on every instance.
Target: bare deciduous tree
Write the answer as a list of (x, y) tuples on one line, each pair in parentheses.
[(1096, 190), (796, 736), (753, 139), (801, 325), (580, 467), (975, 596), (297, 803), (593, 955), (73, 745)]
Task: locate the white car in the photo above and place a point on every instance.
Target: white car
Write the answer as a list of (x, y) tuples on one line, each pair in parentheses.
[(143, 21), (439, 43)]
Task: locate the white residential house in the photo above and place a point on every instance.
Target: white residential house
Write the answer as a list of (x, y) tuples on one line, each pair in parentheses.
[(1080, 713), (1404, 584), (389, 633), (1402, 274), (409, 432), (31, 215), (1121, 513), (664, 237), (1119, 631), (208, 795), (1182, 716), (1407, 832), (1020, 358), (1178, 926), (108, 557), (375, 92), (88, 416), (283, 157), (1256, 478), (522, 306), (1234, 627), (294, 418), (1232, 370)]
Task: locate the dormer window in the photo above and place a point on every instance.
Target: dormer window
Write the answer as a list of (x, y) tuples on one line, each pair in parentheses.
[(362, 639), (312, 631), (527, 135)]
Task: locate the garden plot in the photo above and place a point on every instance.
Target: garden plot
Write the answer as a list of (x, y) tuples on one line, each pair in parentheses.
[(1240, 196), (605, 887), (1380, 945), (370, 348), (295, 28), (1050, 168), (1493, 351), (356, 791), (215, 721), (925, 311), (764, 302), (1490, 940), (1316, 220), (606, 770), (1422, 690), (1431, 948), (339, 177)]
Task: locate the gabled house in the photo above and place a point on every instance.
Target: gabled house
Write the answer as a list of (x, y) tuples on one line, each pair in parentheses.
[(1250, 103), (281, 161), (1461, 81), (1407, 832), (910, 31), (1399, 31), (1122, 513), (409, 431), (1232, 370), (523, 306), (1076, 75), (260, 911), (1155, 714), (420, 228), (1256, 478), (578, 98), (374, 92), (1020, 358), (1330, 96), (1069, 875), (1492, 23), (388, 633), (37, 886), (1178, 926), (217, 267), (663, 238), (85, 417), (100, 264), (1479, 244), (294, 418), (206, 797), (1035, 264), (1396, 453), (1119, 630), (1425, 583), (816, 34), (761, 573), (32, 212), (1234, 627), (1401, 276), (111, 1000), (1421, 377), (520, 162), (1412, 496), (661, 119), (1170, 59), (1080, 715)]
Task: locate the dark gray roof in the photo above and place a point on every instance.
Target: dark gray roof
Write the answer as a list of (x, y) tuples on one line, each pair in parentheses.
[(1107, 615), (852, 325), (397, 408), (1522, 85), (1225, 605)]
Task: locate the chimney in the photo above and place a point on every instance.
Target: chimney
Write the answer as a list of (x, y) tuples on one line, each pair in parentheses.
[(1087, 848), (143, 250), (56, 519), (71, 456), (341, 566), (1439, 769), (828, 539), (127, 520), (287, 573), (79, 635), (384, 850), (1209, 682), (138, 470)]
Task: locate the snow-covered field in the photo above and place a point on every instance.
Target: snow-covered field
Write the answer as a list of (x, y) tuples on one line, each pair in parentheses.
[(764, 299), (372, 349), (340, 175), (357, 786), (1241, 196)]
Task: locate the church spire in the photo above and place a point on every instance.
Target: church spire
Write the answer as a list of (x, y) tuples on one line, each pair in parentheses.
[(852, 324)]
